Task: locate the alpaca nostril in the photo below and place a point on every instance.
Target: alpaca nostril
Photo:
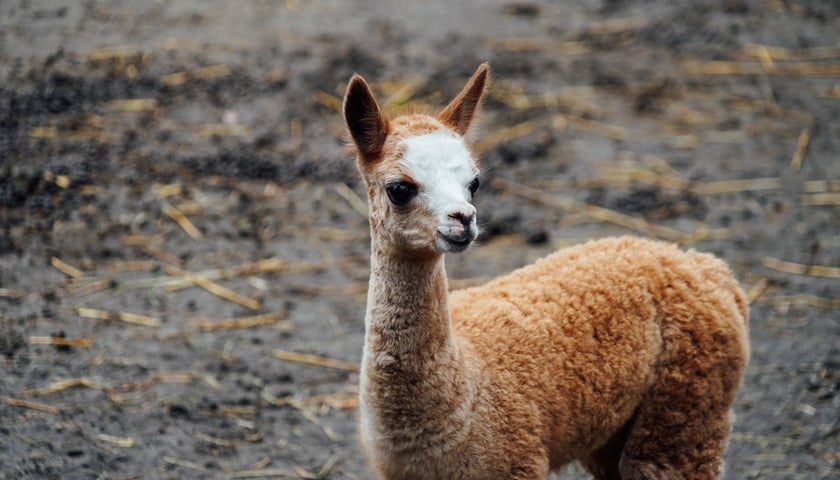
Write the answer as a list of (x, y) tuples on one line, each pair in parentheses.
[(463, 217)]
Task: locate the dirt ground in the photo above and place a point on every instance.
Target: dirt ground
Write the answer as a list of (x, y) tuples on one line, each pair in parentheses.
[(180, 220)]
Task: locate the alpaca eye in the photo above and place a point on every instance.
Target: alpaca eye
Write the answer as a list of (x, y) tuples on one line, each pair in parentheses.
[(401, 193), (473, 186)]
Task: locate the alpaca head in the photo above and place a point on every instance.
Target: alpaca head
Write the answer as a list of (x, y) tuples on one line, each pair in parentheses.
[(420, 175)]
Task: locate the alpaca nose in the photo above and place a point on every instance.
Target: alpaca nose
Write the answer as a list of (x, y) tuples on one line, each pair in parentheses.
[(466, 218)]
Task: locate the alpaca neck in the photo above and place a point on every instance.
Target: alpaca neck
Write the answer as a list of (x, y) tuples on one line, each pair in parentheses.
[(413, 369), (407, 322)]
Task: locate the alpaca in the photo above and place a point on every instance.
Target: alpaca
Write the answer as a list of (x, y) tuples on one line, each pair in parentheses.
[(624, 354)]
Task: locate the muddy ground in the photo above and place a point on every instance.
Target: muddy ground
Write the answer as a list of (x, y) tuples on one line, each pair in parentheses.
[(178, 212)]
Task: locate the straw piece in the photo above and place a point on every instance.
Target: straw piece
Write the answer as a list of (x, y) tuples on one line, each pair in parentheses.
[(184, 463), (343, 400), (43, 132), (756, 290), (182, 221), (803, 299), (330, 101), (62, 181), (240, 322), (617, 25), (315, 360), (169, 190), (65, 268), (213, 71), (801, 269), (599, 213), (777, 53), (730, 186), (503, 135), (133, 105), (9, 293), (174, 79), (133, 265), (401, 94), (222, 130), (138, 319), (524, 44), (764, 57), (571, 100), (310, 415), (174, 377), (268, 265), (635, 176), (15, 402), (821, 199), (319, 289), (123, 442), (801, 147), (222, 442), (833, 92), (60, 386), (302, 472), (213, 287), (61, 341), (93, 313), (820, 186), (121, 316), (263, 473), (745, 68), (86, 288), (145, 244), (596, 128), (352, 198), (108, 53), (296, 134)]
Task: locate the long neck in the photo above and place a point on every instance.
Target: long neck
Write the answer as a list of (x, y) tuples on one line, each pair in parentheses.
[(414, 370), (407, 322)]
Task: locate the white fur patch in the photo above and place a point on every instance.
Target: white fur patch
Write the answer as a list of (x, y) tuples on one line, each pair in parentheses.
[(443, 166)]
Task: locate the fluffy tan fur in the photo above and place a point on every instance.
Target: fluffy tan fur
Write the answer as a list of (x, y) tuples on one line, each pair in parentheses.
[(624, 353)]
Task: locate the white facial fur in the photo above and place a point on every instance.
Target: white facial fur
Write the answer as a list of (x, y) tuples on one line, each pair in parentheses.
[(443, 167)]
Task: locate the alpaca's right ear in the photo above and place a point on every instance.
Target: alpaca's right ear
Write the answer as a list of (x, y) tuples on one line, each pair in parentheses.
[(367, 125)]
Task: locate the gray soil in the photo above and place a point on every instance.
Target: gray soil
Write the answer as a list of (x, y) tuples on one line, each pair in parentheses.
[(114, 114)]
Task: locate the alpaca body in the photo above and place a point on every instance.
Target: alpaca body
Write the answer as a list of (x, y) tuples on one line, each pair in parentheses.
[(623, 353), (555, 358)]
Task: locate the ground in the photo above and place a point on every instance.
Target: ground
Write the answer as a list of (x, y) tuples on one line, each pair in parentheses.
[(181, 219)]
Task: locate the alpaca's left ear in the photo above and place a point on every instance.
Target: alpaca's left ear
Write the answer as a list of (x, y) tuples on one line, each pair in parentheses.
[(459, 113)]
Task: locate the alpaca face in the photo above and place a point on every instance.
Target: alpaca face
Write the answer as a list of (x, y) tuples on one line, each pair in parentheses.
[(447, 179), (420, 200), (419, 173)]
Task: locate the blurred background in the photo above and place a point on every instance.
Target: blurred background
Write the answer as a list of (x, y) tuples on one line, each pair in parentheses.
[(184, 241)]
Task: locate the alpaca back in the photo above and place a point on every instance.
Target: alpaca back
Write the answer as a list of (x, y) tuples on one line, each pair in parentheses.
[(584, 329)]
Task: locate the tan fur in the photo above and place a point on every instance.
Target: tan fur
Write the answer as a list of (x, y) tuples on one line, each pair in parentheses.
[(622, 353)]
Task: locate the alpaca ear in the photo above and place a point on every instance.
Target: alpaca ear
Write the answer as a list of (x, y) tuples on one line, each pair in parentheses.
[(459, 113), (367, 125)]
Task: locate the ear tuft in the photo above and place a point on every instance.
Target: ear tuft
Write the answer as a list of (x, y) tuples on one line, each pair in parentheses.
[(365, 121), (458, 115)]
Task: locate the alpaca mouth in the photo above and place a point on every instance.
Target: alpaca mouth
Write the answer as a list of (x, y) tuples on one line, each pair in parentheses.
[(455, 243)]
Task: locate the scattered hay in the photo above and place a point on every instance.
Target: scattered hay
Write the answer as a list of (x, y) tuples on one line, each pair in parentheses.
[(315, 360), (801, 269), (41, 407)]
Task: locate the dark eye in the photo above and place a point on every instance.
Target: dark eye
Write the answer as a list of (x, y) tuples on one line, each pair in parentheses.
[(473, 186), (401, 193)]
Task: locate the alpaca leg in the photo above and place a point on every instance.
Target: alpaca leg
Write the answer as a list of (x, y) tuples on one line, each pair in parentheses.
[(603, 463), (534, 469), (683, 423), (689, 450)]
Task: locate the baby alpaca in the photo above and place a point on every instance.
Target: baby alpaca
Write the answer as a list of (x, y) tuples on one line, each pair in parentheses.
[(624, 353)]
